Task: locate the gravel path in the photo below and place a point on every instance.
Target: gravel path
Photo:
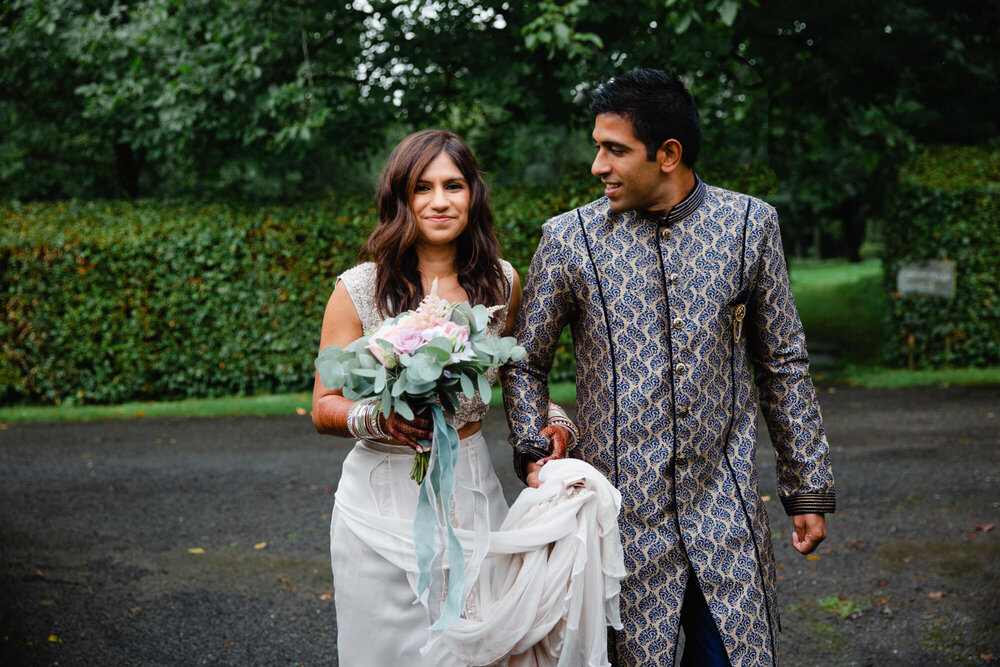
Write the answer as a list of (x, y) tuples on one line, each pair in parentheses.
[(191, 541)]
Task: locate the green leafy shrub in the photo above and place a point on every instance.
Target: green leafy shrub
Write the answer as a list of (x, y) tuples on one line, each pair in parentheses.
[(106, 302), (947, 207), (111, 301)]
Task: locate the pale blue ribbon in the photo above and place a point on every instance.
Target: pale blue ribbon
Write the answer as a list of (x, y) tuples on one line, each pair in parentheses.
[(433, 511)]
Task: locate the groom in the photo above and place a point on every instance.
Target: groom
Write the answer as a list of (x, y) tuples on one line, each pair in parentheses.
[(677, 296)]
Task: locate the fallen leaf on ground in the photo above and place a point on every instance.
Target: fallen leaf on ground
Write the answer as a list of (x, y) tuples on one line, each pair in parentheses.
[(260, 545), (300, 411), (196, 550), (765, 498), (325, 596), (812, 557), (54, 639), (936, 595), (984, 527)]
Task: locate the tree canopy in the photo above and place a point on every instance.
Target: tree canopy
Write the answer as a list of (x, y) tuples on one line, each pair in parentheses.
[(217, 98)]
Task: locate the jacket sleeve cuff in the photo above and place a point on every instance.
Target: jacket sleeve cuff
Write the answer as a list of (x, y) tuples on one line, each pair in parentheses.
[(810, 503), (524, 455)]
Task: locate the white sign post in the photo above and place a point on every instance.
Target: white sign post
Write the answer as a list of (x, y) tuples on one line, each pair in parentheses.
[(935, 278)]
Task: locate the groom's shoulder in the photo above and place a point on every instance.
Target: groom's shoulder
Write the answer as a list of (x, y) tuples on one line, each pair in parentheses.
[(721, 198), (569, 221)]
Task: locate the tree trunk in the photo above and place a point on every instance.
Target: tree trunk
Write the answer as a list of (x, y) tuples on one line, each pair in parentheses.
[(128, 165), (853, 224)]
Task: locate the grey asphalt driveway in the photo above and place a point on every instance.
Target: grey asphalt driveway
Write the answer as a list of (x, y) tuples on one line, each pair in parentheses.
[(193, 541)]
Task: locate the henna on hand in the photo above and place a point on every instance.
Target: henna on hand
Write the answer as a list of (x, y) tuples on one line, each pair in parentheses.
[(409, 431)]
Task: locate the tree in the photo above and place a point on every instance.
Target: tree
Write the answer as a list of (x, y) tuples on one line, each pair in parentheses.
[(167, 97)]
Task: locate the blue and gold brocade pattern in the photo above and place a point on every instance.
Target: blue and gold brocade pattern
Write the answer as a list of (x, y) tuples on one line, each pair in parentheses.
[(668, 315)]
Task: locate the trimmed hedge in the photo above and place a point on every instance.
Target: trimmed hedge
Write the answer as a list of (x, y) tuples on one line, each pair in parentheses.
[(106, 302), (947, 207), (111, 301)]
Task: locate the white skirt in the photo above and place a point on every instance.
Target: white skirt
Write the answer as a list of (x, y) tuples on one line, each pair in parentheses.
[(547, 584)]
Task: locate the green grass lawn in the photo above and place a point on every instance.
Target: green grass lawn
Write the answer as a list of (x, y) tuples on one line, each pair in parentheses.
[(842, 307)]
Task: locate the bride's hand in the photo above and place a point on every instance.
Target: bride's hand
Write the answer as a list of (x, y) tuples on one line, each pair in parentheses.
[(559, 437), (409, 431)]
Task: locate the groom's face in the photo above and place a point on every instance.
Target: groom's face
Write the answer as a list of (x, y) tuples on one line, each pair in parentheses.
[(631, 180)]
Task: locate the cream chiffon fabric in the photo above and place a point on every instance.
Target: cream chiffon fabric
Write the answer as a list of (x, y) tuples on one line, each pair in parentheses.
[(547, 584)]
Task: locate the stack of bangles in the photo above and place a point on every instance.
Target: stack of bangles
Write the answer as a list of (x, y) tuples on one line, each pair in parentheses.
[(363, 421), (558, 417)]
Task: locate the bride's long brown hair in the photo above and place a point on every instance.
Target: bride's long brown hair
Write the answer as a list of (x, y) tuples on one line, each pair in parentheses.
[(392, 245)]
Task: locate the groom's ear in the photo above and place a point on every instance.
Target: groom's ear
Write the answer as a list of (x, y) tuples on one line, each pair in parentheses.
[(669, 155)]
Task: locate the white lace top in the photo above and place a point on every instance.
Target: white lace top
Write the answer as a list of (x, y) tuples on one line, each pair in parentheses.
[(360, 283)]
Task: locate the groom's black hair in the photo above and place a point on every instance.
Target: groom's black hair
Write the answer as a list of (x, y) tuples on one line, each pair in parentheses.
[(659, 106)]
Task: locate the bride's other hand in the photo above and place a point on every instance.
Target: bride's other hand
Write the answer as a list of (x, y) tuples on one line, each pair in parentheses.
[(409, 431), (559, 437)]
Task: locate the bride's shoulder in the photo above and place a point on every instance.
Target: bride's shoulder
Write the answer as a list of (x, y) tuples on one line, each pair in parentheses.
[(359, 276)]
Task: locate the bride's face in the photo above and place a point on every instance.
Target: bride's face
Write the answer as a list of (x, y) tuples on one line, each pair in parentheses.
[(441, 202)]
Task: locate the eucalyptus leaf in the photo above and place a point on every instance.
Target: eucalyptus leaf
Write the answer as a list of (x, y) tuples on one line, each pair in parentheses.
[(403, 408), (467, 387), (480, 318), (380, 378), (485, 392), (357, 346), (423, 368), (399, 386), (461, 314), (439, 348), (414, 388), (331, 374)]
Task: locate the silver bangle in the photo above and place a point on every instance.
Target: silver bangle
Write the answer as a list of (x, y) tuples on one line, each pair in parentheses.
[(558, 417), (374, 423), (359, 421)]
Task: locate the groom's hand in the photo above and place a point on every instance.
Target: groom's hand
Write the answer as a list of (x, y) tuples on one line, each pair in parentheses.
[(808, 530), (558, 436)]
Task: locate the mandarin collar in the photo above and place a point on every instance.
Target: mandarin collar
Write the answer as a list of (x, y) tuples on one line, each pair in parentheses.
[(681, 209)]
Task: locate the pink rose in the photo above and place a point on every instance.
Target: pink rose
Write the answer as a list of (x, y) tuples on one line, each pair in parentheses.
[(407, 341)]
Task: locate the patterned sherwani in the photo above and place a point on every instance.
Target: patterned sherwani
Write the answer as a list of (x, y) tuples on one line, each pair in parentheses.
[(668, 314)]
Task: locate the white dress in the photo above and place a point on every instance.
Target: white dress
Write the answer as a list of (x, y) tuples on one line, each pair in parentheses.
[(543, 581)]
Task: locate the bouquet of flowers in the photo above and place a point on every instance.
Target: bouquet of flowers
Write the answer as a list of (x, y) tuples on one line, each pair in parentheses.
[(421, 359)]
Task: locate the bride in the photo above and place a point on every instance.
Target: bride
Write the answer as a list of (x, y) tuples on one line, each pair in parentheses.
[(435, 224)]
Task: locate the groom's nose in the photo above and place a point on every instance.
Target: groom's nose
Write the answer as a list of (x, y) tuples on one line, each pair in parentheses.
[(599, 166)]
